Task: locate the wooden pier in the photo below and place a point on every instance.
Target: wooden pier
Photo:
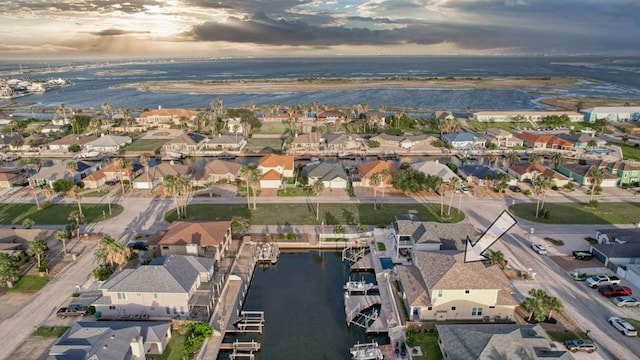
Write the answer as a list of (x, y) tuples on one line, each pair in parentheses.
[(356, 306), (250, 322), (354, 253), (246, 346)]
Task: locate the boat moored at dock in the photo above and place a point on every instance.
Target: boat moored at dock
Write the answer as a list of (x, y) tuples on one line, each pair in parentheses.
[(267, 252), (368, 351)]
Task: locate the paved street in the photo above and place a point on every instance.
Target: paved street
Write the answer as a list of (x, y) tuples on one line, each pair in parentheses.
[(146, 215)]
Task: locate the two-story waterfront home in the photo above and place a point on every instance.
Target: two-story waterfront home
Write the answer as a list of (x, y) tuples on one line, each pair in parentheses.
[(166, 117), (186, 143), (368, 169), (464, 140), (535, 171), (62, 144), (209, 239), (149, 179), (501, 138), (544, 141), (411, 235), (216, 171)]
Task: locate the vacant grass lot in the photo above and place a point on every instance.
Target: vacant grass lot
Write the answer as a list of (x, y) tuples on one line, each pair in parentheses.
[(271, 128), (274, 145), (629, 152), (479, 126), (580, 213), (30, 283), (304, 214), (57, 214), (149, 145)]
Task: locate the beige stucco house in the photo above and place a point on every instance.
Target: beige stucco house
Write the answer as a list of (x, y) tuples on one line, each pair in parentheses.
[(207, 239)]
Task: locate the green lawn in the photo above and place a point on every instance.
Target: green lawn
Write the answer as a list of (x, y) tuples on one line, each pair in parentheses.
[(580, 213), (149, 145), (174, 348), (428, 342), (264, 145), (50, 332), (57, 214), (629, 152), (304, 214), (293, 191), (271, 128), (562, 336), (95, 193), (480, 126), (30, 283)]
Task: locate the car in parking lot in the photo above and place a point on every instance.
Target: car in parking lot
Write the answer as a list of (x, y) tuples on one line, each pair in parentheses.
[(583, 255), (576, 345), (623, 326), (624, 301), (515, 188), (539, 248), (63, 312), (614, 290), (138, 245)]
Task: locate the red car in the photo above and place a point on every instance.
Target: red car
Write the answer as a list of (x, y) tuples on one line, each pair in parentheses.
[(614, 290)]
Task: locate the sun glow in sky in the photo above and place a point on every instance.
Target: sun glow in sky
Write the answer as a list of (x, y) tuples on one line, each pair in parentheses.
[(149, 28)]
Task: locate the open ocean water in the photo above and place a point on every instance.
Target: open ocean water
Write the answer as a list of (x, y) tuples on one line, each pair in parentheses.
[(608, 77)]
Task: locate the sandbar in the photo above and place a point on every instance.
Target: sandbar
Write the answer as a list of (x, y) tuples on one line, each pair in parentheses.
[(313, 85)]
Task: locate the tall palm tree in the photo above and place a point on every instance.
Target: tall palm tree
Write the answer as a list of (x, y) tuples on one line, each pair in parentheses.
[(254, 180), (77, 194), (63, 236), (385, 179), (496, 257), (107, 110), (245, 173), (374, 182), (539, 188), (553, 304), (144, 161), (513, 157), (71, 167), (557, 159), (38, 248), (34, 187), (595, 176), (536, 158), (491, 159), (454, 183), (77, 218), (441, 187), (111, 252), (316, 189), (62, 112)]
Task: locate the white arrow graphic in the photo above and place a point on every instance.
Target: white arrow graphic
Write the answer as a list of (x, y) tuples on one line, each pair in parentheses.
[(502, 224)]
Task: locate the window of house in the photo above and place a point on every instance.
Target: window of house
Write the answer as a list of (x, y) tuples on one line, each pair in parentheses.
[(476, 311), (439, 293), (492, 307), (430, 308), (175, 310), (164, 247), (122, 296), (466, 291), (157, 296), (168, 310), (453, 308), (152, 308), (112, 307), (182, 310)]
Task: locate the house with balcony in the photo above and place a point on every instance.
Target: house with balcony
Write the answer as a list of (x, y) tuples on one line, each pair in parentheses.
[(411, 235), (332, 117), (169, 287), (501, 138), (114, 340), (531, 116), (216, 171), (544, 141), (406, 141), (535, 171), (306, 142), (628, 171), (484, 341), (612, 113), (282, 164), (337, 142), (442, 286), (208, 239)]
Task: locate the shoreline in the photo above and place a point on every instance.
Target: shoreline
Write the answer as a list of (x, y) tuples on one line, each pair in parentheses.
[(310, 85)]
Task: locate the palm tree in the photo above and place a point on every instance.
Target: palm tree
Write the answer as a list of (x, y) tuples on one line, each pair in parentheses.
[(63, 236), (374, 182), (77, 194), (71, 167), (34, 187), (491, 159), (454, 183), (536, 158), (513, 157), (557, 159), (254, 181), (539, 188), (316, 189), (552, 304), (245, 173), (441, 187), (12, 125), (595, 176), (144, 161), (107, 110), (62, 112), (385, 179), (38, 248), (112, 252), (495, 257), (77, 218)]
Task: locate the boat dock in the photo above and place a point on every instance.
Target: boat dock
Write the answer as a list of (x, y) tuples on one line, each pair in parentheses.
[(368, 351), (250, 322), (246, 346), (267, 252)]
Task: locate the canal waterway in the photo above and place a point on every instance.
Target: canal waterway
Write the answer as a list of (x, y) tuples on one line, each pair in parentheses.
[(303, 301)]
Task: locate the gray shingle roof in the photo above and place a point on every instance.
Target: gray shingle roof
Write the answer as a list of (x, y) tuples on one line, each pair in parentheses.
[(325, 171)]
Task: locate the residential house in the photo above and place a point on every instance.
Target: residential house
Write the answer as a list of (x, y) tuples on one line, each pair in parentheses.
[(580, 174), (627, 171), (442, 286), (170, 287), (544, 141), (411, 235), (406, 141), (306, 142), (281, 116), (482, 175), (332, 175), (336, 142), (111, 173), (501, 138), (367, 169), (16, 241), (486, 341), (444, 115), (332, 117), (612, 113), (531, 171), (63, 143), (49, 175), (208, 239), (53, 128), (217, 171), (282, 164), (11, 180), (150, 179), (109, 143), (582, 140), (224, 142), (617, 236), (113, 340), (186, 143), (531, 116), (234, 126), (614, 255), (435, 168), (6, 140), (464, 140), (166, 117), (272, 179)]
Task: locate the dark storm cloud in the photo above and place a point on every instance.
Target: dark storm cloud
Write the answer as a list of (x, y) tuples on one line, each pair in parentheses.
[(117, 32)]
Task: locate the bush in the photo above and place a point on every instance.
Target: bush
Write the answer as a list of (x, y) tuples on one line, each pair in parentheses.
[(569, 186), (102, 272), (527, 192), (91, 310), (291, 236), (555, 187), (452, 166), (594, 204), (374, 144)]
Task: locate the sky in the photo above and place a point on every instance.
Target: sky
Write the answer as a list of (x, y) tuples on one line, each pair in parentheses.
[(280, 28)]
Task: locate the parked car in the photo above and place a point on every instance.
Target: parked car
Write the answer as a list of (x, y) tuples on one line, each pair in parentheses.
[(138, 245), (614, 290), (623, 326), (515, 188), (601, 280), (583, 255), (580, 345), (624, 301), (63, 312), (539, 248), (464, 189)]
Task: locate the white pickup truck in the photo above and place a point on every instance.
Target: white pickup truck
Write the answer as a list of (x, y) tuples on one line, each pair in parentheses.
[(602, 280)]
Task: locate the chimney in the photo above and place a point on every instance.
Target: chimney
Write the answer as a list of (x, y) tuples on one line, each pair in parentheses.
[(137, 348)]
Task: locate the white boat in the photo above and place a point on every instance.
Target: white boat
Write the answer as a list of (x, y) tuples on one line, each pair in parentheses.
[(369, 351), (267, 252), (314, 160), (88, 154), (358, 286), (175, 155)]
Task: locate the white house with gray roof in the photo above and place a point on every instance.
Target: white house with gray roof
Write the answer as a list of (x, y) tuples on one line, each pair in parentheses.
[(108, 143), (435, 168), (332, 176), (411, 235), (112, 340), (173, 286), (502, 341)]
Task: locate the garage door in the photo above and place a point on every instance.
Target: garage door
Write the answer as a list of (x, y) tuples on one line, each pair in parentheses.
[(599, 256)]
